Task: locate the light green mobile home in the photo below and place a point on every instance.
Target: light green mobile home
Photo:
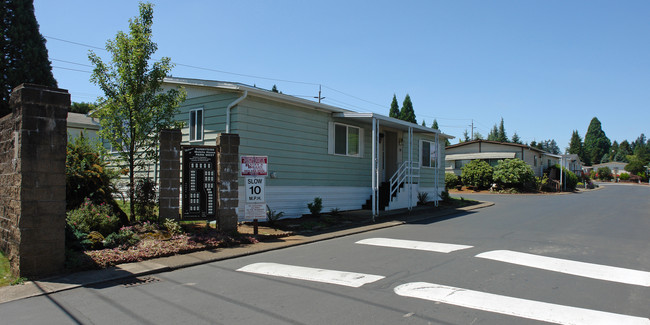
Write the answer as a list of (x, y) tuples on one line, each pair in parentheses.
[(316, 150)]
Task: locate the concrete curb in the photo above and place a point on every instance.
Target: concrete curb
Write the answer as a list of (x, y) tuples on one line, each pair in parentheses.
[(163, 264)]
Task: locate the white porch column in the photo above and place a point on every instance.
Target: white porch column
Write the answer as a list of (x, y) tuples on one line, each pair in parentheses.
[(410, 169), (375, 191)]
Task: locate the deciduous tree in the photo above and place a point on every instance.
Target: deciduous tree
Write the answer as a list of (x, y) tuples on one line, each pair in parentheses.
[(135, 107)]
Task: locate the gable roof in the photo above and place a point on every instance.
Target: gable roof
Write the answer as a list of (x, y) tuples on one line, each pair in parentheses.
[(503, 144), (253, 91), (278, 97)]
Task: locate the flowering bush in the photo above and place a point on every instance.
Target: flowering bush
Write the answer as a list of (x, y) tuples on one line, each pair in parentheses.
[(92, 217)]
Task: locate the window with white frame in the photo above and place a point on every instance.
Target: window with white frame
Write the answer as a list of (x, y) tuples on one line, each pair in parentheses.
[(196, 124), (428, 154), (345, 140)]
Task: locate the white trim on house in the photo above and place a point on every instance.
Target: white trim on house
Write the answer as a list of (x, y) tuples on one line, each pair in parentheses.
[(482, 155), (196, 133), (292, 200), (331, 142)]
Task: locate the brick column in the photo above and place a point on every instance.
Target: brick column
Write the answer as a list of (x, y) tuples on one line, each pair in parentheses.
[(227, 181), (40, 129), (170, 177)]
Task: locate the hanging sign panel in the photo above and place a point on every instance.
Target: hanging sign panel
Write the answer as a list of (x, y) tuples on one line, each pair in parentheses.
[(199, 182), (254, 165)]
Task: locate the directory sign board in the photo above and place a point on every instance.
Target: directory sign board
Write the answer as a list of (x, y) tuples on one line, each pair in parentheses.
[(199, 182)]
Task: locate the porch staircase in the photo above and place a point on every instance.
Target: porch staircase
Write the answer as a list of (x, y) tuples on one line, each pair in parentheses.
[(384, 197), (389, 191)]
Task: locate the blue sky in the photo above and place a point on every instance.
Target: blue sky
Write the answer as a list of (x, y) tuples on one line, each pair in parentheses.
[(546, 67)]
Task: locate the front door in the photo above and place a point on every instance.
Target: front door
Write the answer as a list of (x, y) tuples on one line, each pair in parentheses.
[(388, 155)]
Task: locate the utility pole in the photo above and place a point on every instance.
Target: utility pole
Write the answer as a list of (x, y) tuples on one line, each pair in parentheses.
[(472, 126), (319, 92)]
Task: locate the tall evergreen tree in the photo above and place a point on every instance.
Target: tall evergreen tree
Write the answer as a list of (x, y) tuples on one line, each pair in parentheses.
[(394, 108), (275, 89), (613, 151), (501, 134), (435, 125), (515, 138), (423, 123), (407, 113), (624, 150), (493, 135), (576, 146), (465, 137), (23, 55), (596, 142)]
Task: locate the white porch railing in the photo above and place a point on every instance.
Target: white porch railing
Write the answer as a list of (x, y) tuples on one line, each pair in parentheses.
[(405, 174)]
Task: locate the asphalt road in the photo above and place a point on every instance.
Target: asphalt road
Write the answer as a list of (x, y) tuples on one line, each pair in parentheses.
[(599, 243)]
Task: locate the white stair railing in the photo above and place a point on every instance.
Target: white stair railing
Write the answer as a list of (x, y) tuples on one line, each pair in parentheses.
[(405, 174)]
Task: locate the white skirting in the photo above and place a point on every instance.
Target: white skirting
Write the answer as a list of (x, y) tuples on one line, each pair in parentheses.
[(292, 200)]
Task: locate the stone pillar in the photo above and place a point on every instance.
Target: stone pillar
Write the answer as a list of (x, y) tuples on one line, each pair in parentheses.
[(40, 130), (227, 180), (170, 174)]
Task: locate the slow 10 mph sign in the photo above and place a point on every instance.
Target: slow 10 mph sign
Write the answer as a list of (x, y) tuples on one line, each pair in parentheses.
[(255, 189)]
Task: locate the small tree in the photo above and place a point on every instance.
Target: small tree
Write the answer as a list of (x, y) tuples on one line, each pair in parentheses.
[(514, 173), (477, 173), (135, 109)]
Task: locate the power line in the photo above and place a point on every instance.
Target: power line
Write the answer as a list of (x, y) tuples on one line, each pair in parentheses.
[(71, 69)]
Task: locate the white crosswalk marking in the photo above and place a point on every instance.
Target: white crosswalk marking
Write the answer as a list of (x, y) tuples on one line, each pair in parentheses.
[(411, 244), (349, 279), (595, 271), (514, 306)]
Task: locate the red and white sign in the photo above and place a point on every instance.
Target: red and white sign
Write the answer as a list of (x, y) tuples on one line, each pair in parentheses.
[(254, 165)]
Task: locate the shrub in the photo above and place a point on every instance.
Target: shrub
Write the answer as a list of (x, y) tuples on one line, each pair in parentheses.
[(604, 173), (477, 173), (126, 237), (86, 174), (570, 179), (514, 173), (625, 176), (315, 207), (145, 200), (422, 198), (272, 216), (444, 195), (451, 180), (173, 227), (92, 217)]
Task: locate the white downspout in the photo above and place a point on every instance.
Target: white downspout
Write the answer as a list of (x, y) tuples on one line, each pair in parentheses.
[(233, 104)]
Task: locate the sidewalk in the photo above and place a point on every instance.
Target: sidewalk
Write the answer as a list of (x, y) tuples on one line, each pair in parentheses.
[(164, 264)]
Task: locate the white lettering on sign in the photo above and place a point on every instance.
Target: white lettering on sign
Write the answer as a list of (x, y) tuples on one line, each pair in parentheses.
[(254, 165), (255, 188)]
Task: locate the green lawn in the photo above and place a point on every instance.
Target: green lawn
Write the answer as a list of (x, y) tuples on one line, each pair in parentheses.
[(5, 273)]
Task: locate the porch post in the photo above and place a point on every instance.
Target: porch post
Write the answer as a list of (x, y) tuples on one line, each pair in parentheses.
[(410, 169), (374, 169), (438, 155)]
